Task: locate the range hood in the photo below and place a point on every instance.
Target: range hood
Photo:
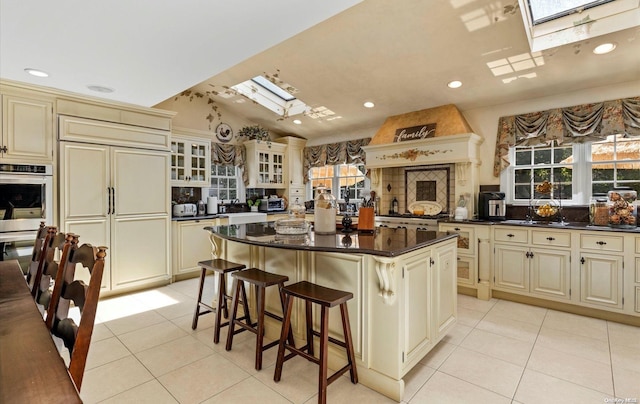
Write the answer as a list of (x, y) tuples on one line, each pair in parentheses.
[(442, 136)]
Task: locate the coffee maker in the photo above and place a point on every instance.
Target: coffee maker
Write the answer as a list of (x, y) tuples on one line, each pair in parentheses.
[(491, 206)]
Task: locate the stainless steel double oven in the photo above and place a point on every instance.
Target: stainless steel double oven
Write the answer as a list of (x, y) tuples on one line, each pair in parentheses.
[(26, 199)]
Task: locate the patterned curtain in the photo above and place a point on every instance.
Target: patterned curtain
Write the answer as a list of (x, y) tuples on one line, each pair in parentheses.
[(349, 152), (577, 124), (230, 155)]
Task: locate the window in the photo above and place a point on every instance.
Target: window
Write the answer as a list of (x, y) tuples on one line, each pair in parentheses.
[(340, 179), (533, 165), (615, 162), (576, 171), (224, 182)]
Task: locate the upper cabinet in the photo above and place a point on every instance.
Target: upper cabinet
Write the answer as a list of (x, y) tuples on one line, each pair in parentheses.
[(294, 169), (266, 164), (27, 128), (190, 161)]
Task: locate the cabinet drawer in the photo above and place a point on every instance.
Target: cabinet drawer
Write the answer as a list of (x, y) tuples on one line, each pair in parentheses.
[(602, 242), (511, 235), (546, 238)]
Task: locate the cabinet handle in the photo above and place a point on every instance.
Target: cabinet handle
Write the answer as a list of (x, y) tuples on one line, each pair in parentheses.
[(431, 261), (550, 238), (527, 254), (511, 235), (456, 228), (108, 200), (113, 201), (582, 260), (601, 242)]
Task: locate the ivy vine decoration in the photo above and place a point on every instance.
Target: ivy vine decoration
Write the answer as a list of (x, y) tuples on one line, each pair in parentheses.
[(255, 132)]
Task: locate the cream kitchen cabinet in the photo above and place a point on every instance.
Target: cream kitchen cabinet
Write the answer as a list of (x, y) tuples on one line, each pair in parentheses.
[(533, 262), (118, 197), (428, 316), (190, 245), (601, 269), (294, 168), (266, 164), (27, 128), (467, 268), (190, 161)]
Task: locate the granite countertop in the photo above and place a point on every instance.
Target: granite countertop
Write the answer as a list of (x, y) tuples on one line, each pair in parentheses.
[(383, 241), (544, 225), (203, 217)]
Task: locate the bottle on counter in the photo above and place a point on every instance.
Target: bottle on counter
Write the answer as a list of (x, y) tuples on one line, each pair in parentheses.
[(395, 206)]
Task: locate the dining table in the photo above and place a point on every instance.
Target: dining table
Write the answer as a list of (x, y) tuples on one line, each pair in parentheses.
[(31, 368)]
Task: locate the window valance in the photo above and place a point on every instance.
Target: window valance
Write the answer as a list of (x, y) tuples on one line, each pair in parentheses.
[(349, 152), (230, 155), (577, 124)]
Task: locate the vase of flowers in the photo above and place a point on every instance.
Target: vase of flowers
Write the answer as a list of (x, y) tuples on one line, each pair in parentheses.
[(255, 132)]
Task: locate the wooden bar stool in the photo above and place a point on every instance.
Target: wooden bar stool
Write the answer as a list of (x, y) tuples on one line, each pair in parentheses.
[(261, 280), (221, 268), (326, 298)]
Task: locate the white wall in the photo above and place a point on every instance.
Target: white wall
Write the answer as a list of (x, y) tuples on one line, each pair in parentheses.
[(484, 121)]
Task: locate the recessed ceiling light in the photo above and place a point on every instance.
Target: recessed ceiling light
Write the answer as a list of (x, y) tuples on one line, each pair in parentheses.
[(100, 89), (604, 48), (297, 121), (369, 104), (454, 84), (36, 72)]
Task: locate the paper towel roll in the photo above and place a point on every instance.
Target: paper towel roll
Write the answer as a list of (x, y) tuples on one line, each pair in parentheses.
[(212, 205)]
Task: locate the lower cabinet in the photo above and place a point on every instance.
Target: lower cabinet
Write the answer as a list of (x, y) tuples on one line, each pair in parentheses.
[(601, 280), (190, 245), (428, 316), (523, 266)]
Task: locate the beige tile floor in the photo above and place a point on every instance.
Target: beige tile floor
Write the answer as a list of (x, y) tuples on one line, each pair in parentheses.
[(144, 350)]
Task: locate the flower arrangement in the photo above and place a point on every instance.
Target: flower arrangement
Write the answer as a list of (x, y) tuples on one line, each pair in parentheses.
[(255, 132)]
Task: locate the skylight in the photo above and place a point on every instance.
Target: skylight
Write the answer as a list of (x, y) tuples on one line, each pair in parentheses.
[(271, 96), (261, 81), (545, 10), (553, 23)]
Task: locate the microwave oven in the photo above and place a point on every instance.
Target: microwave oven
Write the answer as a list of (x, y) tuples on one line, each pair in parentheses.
[(271, 205)]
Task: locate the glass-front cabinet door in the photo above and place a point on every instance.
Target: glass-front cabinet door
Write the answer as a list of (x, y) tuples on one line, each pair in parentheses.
[(178, 172), (264, 166), (199, 164), (190, 161)]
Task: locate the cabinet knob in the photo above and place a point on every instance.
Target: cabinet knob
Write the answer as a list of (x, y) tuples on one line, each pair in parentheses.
[(550, 238), (511, 235), (601, 242)]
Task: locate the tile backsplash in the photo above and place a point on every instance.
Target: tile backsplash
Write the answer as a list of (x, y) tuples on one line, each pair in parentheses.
[(398, 178)]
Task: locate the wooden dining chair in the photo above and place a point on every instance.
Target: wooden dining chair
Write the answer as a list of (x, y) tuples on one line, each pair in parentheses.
[(40, 259), (77, 337)]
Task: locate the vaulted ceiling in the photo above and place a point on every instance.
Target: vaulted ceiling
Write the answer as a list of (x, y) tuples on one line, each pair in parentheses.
[(399, 55)]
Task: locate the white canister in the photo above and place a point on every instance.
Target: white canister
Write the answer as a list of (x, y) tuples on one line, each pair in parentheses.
[(212, 205), (461, 213)]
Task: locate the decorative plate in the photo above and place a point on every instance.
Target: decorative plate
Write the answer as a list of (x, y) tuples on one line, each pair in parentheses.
[(224, 133), (430, 208)]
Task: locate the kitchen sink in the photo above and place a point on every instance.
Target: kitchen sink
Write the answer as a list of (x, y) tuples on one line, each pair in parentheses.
[(246, 217)]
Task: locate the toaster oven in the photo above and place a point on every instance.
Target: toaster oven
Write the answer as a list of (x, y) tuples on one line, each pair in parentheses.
[(272, 205)]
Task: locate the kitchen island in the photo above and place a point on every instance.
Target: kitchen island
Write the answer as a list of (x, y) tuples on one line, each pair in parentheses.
[(403, 282)]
